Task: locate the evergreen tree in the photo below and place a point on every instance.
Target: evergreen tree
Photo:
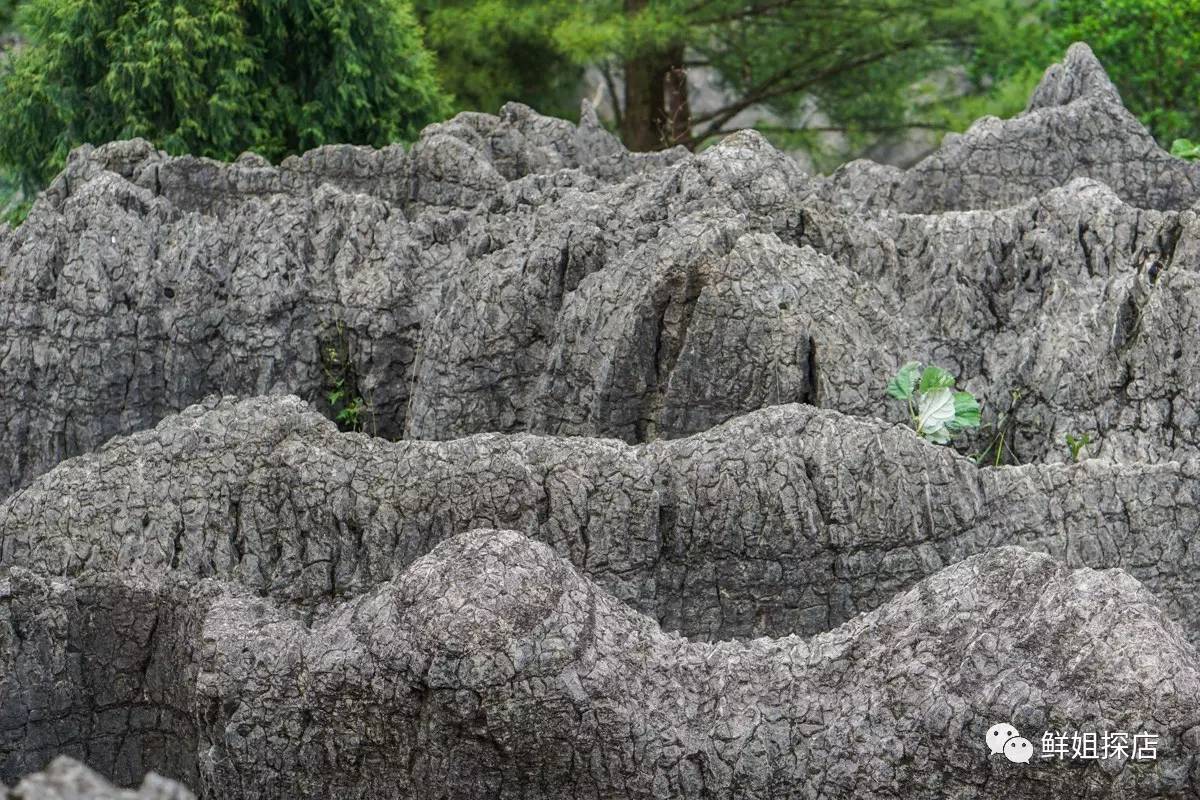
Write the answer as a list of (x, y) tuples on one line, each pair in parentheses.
[(213, 77)]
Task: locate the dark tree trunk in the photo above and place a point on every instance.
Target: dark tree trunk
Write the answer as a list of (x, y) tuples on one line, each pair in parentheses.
[(657, 113), (678, 110)]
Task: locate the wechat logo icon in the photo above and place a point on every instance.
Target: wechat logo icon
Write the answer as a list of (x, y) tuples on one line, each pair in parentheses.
[(1004, 738)]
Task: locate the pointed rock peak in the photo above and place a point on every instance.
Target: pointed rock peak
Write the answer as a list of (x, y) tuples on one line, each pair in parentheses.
[(745, 146), (513, 111), (588, 120), (745, 154), (1079, 76), (745, 139), (251, 159)]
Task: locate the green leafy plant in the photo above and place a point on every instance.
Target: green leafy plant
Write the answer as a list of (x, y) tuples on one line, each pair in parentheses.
[(346, 402), (1186, 148), (1076, 444), (937, 411)]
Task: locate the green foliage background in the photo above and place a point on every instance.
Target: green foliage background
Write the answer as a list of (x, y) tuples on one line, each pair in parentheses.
[(1150, 48), (855, 61), (493, 51), (1153, 47), (872, 69), (213, 77)]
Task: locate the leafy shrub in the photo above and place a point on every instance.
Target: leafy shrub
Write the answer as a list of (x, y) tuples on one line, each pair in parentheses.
[(212, 77), (1186, 148), (937, 411), (346, 404)]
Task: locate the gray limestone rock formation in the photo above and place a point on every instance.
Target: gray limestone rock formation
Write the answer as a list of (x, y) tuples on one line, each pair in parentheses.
[(631, 515), (787, 520), (244, 579), (516, 273), (491, 668)]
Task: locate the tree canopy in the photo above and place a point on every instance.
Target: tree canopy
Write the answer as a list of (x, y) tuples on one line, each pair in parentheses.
[(853, 62), (869, 67), (493, 51), (213, 77), (1150, 48)]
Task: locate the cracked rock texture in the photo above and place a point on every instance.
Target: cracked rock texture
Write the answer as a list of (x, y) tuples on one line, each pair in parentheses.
[(786, 520), (491, 668), (251, 602), (517, 273), (634, 518)]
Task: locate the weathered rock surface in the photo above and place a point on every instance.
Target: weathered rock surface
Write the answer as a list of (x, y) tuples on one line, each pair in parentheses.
[(491, 668), (516, 273), (787, 520), (257, 529)]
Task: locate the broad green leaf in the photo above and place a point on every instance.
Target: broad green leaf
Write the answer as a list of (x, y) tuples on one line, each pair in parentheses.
[(966, 410), (935, 378), (902, 384), (934, 409), (940, 436)]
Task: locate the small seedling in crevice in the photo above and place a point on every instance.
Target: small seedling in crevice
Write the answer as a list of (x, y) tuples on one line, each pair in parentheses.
[(937, 411), (342, 393), (1076, 444), (999, 434)]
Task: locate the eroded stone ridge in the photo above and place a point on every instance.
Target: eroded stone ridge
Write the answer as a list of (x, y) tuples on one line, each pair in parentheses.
[(491, 663), (787, 520), (258, 575), (516, 273)]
